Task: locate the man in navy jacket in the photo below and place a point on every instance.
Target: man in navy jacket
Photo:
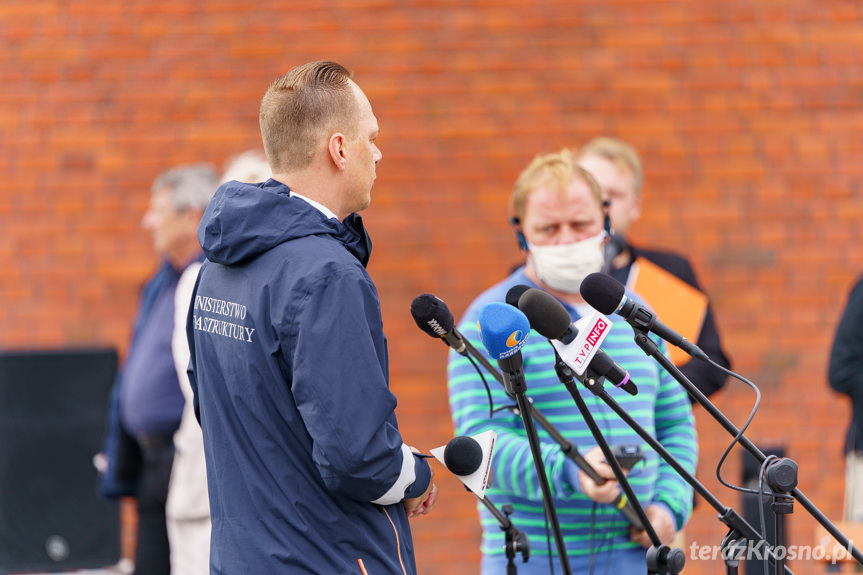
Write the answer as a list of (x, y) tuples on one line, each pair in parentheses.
[(307, 470)]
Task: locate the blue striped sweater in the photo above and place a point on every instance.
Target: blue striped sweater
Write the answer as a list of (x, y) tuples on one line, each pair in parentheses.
[(589, 529)]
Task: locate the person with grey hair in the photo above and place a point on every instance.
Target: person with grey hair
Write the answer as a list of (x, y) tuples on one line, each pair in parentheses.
[(188, 506), (147, 402)]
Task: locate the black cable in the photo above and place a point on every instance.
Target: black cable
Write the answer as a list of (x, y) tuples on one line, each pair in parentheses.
[(607, 553), (740, 433), (485, 383)]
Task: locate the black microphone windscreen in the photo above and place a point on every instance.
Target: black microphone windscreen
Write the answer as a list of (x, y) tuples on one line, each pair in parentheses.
[(602, 292), (432, 315), (546, 315), (462, 455), (514, 294)]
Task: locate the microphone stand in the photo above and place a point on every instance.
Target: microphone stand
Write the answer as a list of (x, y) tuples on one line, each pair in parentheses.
[(516, 541), (661, 559), (516, 376), (568, 448), (781, 473), (740, 531)]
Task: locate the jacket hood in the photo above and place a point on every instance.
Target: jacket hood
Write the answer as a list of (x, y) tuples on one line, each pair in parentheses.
[(244, 220)]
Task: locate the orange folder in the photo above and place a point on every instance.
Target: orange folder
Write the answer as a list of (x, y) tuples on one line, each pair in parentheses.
[(676, 303)]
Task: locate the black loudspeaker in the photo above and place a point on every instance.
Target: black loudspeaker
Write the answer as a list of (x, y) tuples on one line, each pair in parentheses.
[(53, 408)]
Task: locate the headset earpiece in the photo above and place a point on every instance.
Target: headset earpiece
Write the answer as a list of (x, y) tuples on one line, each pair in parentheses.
[(516, 226), (606, 210)]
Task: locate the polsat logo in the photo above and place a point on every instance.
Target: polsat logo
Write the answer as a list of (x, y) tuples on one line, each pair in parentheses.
[(514, 338)]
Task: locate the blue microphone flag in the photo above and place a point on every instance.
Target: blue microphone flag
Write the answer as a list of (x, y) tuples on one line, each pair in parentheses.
[(503, 329)]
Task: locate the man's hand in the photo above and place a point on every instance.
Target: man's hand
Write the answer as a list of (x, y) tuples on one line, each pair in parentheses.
[(663, 524), (606, 492), (424, 503)]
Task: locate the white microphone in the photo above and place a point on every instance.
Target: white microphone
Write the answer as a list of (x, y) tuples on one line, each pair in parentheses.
[(469, 458), (579, 348), (592, 330)]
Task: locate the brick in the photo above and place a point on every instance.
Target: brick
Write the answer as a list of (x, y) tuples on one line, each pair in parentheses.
[(749, 133)]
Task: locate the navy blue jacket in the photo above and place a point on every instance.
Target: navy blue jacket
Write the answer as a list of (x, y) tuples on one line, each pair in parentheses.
[(122, 451), (305, 463)]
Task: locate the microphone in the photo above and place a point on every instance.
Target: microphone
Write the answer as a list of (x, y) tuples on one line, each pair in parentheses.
[(503, 330), (469, 459), (433, 316), (581, 353), (608, 296), (514, 293), (462, 455)]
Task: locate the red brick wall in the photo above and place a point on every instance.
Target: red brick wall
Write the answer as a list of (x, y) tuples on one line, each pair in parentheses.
[(748, 116)]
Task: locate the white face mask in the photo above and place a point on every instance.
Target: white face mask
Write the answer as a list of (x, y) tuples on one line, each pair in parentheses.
[(564, 267)]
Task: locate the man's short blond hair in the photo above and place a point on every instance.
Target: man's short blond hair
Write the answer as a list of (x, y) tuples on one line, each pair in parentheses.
[(300, 107), (556, 171), (619, 153)]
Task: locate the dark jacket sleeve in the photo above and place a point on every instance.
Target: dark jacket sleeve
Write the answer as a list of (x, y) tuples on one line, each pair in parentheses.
[(846, 355), (340, 385), (707, 378), (120, 478)]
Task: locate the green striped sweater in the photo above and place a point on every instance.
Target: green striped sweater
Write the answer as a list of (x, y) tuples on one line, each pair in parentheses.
[(661, 407)]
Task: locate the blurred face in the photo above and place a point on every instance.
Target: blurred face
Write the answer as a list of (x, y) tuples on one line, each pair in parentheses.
[(554, 217), (564, 233), (174, 232), (618, 186), (362, 154)]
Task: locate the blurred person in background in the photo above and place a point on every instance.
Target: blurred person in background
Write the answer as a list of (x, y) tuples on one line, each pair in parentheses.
[(846, 377), (188, 506), (147, 401), (307, 470), (249, 167), (558, 212), (617, 168)]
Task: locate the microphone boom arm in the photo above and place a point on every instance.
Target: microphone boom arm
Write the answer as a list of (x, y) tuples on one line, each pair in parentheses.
[(738, 525), (652, 350)]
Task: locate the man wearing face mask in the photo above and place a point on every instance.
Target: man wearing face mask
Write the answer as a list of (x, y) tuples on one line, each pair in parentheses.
[(560, 220)]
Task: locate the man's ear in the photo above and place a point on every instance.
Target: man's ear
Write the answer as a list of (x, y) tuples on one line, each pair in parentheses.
[(336, 149)]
